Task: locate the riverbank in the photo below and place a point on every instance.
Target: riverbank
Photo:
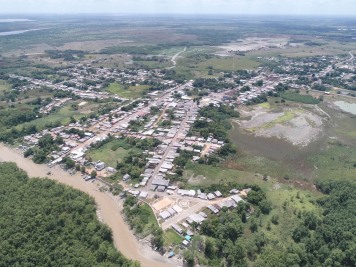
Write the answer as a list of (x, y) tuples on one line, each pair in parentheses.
[(108, 208)]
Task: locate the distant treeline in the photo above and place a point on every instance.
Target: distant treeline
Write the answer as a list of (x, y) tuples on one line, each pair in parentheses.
[(67, 55), (141, 50)]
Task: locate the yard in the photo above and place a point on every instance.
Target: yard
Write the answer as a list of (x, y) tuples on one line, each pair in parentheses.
[(229, 63), (132, 92), (62, 116), (112, 152), (4, 86)]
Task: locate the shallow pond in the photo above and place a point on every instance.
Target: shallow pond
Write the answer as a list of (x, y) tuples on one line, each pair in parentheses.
[(347, 107)]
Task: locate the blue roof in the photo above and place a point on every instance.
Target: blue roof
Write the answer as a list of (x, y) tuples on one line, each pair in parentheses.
[(188, 237)]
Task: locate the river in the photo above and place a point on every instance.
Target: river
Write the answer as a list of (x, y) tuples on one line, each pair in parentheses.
[(108, 208), (17, 32)]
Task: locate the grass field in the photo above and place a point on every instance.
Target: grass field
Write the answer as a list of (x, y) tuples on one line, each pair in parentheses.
[(132, 92), (229, 63), (329, 48), (4, 86), (287, 203), (171, 238), (151, 219), (305, 99), (337, 162), (112, 152), (155, 64), (205, 175), (62, 116)]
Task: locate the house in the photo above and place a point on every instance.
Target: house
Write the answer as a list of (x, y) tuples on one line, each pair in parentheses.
[(236, 198), (110, 169), (185, 243), (100, 166), (143, 194), (217, 194), (165, 215), (178, 229), (211, 196), (126, 177), (161, 188)]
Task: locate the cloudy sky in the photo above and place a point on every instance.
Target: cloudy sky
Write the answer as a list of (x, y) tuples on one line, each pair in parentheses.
[(300, 7)]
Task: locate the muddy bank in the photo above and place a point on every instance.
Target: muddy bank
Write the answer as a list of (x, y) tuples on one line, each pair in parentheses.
[(108, 208)]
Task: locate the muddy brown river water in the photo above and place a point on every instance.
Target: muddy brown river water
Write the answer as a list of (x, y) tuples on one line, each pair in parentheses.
[(109, 208)]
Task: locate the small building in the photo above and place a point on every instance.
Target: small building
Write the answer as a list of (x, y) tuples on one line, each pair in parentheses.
[(165, 215), (178, 229), (143, 194), (110, 169), (177, 208), (100, 166), (234, 191), (126, 177), (217, 194), (185, 243), (211, 196), (236, 198), (153, 187), (161, 188)]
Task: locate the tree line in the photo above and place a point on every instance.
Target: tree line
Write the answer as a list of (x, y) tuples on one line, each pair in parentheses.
[(44, 223)]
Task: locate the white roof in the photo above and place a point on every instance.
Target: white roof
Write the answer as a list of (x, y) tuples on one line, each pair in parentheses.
[(177, 208), (143, 194)]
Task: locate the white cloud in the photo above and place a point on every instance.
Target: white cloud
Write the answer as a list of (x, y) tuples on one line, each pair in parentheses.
[(327, 7)]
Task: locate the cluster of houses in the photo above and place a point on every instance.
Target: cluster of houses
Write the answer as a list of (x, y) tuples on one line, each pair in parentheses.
[(55, 104), (194, 220)]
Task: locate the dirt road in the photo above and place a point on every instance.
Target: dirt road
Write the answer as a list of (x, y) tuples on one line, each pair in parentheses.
[(108, 208), (175, 57)]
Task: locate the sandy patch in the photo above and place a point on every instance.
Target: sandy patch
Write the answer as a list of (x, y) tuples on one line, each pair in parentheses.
[(82, 104), (163, 203), (255, 43)]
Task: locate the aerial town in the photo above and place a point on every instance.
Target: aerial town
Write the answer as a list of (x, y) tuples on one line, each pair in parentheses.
[(177, 142), (175, 113)]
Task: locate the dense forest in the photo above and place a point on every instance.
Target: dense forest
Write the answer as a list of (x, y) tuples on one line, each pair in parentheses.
[(43, 223)]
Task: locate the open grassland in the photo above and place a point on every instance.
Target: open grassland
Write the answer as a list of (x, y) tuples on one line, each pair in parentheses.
[(287, 204), (170, 52), (171, 238), (4, 86), (330, 156), (229, 63), (305, 99), (154, 64), (204, 175), (62, 116), (132, 92), (336, 162), (112, 152), (327, 48)]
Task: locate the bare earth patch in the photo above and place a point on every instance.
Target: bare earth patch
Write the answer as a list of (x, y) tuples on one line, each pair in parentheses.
[(255, 43), (297, 126)]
